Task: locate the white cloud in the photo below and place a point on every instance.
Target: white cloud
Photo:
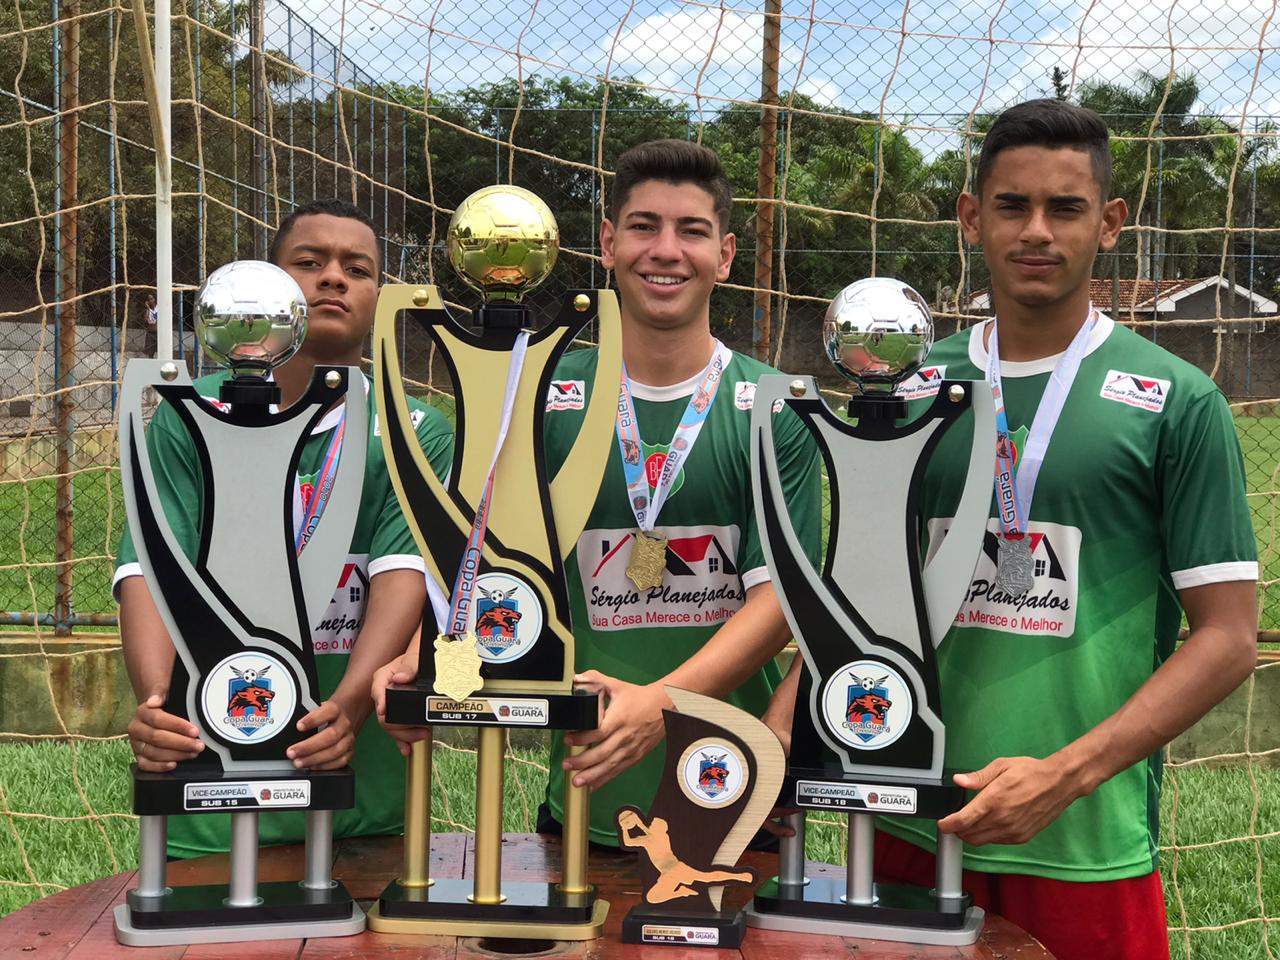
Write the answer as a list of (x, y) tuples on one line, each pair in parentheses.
[(825, 92), (1216, 40), (684, 39)]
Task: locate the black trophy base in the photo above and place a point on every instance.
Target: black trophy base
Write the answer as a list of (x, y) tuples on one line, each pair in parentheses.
[(833, 789), (200, 914), (420, 705), (195, 789), (900, 912), (644, 924), (528, 911)]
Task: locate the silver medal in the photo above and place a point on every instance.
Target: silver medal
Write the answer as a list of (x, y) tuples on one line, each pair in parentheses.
[(1015, 567)]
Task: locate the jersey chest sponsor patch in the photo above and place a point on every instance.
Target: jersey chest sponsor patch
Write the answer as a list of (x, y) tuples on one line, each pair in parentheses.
[(338, 627), (923, 383), (744, 394), (701, 586), (1048, 609), (415, 419), (1135, 390), (567, 395)]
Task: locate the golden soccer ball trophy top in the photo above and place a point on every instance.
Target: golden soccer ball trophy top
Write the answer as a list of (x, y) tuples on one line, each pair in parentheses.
[(503, 242)]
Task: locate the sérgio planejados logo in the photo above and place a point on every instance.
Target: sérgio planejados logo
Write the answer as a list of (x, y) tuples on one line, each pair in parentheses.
[(867, 704), (249, 697)]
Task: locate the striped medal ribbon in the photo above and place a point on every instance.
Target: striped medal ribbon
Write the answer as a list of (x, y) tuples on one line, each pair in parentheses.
[(1015, 476)]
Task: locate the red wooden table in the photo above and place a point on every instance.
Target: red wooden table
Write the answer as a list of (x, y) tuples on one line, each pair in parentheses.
[(76, 924)]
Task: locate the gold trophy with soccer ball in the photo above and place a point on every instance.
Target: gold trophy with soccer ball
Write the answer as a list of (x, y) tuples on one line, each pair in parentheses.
[(494, 537)]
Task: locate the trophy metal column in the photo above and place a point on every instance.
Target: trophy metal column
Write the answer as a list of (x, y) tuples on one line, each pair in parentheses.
[(501, 528), (868, 736), (239, 613)]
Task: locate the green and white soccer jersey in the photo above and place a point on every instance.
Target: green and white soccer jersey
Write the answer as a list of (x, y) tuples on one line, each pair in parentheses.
[(381, 542), (713, 548), (1141, 494)]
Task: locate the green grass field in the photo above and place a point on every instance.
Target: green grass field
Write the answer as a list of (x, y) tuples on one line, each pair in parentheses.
[(1207, 886), (28, 532), (1260, 444)]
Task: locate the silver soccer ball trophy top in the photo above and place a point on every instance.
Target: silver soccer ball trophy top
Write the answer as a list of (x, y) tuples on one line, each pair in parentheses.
[(877, 332), (250, 316)]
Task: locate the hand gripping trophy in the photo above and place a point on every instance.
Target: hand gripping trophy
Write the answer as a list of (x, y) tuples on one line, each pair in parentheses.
[(868, 735), (496, 535), (239, 611)]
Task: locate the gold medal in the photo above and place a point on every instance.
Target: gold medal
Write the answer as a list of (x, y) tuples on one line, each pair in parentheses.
[(457, 666), (648, 560)]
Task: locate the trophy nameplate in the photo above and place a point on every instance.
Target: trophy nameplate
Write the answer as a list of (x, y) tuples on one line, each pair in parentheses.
[(720, 778), (516, 575), (868, 736), (239, 613)]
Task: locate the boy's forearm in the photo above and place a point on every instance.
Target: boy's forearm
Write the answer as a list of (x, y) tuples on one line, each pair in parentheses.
[(148, 650), (747, 641), (778, 715), (393, 617)]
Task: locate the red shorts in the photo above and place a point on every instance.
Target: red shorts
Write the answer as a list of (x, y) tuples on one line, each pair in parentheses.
[(1109, 920)]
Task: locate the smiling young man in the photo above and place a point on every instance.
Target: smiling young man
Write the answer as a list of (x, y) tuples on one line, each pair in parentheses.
[(330, 248), (711, 623), (1062, 679)]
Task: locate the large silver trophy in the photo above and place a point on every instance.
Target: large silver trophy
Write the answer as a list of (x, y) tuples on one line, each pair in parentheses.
[(239, 611), (868, 737)]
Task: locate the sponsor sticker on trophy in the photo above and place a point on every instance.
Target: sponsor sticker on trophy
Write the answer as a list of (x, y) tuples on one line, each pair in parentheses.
[(512, 711), (508, 618), (867, 704), (262, 794), (712, 773), (246, 695), (823, 795)]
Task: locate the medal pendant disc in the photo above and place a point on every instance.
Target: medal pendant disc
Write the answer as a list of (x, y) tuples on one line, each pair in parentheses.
[(457, 666), (1015, 567), (648, 560)]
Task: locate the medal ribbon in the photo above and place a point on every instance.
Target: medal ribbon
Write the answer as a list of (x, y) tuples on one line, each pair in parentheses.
[(308, 517), (1014, 489), (686, 435), (457, 617)]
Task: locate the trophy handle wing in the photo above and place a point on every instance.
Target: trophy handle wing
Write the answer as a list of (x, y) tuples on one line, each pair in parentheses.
[(331, 542), (948, 573), (399, 441), (573, 491)]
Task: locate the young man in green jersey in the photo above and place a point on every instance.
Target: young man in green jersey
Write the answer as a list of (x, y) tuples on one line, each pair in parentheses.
[(713, 625), (331, 249), (1059, 696)]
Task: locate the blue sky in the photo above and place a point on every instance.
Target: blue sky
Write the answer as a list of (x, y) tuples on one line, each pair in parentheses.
[(851, 54)]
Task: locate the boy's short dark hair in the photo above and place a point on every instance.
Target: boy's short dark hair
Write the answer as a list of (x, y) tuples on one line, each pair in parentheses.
[(334, 208), (675, 162), (1055, 124)]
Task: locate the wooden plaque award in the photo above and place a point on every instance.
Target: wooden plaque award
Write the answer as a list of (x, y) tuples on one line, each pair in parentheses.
[(720, 779)]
